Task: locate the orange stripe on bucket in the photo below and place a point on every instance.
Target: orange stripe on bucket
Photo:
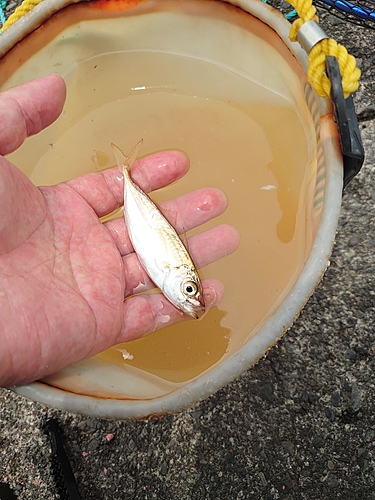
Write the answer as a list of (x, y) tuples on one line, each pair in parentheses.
[(115, 5)]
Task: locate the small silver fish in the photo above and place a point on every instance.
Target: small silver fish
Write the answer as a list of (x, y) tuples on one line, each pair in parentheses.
[(157, 244)]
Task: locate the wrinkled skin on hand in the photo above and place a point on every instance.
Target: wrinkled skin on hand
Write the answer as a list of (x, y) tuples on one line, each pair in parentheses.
[(64, 274)]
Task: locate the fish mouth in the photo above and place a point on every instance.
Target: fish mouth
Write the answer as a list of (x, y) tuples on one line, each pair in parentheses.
[(195, 311)]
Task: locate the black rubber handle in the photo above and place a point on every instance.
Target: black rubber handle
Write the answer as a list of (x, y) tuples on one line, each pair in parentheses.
[(347, 123)]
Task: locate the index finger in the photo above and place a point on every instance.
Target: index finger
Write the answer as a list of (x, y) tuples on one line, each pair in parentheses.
[(104, 191)]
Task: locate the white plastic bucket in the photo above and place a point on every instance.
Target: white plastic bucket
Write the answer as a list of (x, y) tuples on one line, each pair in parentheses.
[(247, 39)]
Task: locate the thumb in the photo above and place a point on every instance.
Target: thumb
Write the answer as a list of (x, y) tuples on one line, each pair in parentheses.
[(29, 108)]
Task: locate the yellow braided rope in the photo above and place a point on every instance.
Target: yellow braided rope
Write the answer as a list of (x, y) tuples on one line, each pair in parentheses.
[(350, 74), (23, 9)]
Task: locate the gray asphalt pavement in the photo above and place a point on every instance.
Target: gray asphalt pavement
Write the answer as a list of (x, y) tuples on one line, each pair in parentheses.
[(299, 425)]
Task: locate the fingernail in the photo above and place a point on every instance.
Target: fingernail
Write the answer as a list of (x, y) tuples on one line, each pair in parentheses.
[(210, 297)]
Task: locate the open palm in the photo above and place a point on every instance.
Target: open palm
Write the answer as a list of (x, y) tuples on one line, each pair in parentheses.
[(63, 273)]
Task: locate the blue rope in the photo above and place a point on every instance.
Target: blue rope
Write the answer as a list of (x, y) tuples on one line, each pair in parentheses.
[(3, 4), (291, 14)]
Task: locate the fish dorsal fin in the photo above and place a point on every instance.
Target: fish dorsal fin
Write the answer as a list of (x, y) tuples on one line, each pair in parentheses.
[(184, 239), (126, 162), (180, 230)]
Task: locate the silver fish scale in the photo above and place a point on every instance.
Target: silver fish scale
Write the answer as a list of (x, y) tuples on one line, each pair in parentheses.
[(165, 237)]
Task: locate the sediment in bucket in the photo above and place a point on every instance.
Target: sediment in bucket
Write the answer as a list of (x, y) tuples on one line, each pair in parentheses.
[(215, 81)]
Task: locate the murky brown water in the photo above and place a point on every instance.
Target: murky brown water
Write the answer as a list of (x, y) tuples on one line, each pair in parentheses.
[(254, 150), (240, 136)]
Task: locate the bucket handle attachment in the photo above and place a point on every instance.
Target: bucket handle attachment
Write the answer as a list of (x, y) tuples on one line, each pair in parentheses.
[(309, 35), (347, 123)]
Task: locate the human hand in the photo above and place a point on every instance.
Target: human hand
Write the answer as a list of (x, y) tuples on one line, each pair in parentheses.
[(63, 273)]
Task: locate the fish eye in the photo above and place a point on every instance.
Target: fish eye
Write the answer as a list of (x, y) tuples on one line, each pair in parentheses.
[(190, 288)]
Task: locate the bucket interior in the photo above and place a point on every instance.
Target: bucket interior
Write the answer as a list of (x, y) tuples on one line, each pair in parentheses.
[(210, 79)]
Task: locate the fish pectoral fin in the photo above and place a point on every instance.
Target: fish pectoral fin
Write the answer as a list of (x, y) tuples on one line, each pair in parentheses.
[(166, 271)]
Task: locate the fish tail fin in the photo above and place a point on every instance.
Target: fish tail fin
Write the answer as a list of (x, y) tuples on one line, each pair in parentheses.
[(126, 162)]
